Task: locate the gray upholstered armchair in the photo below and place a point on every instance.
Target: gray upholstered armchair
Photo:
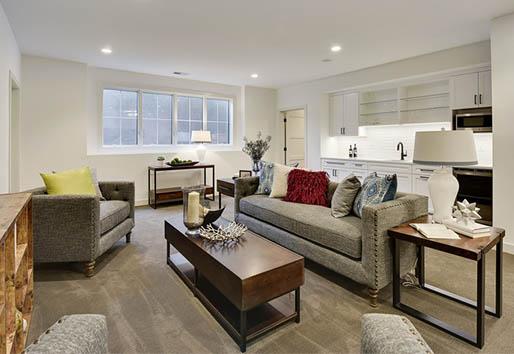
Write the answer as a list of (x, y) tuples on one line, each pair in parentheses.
[(79, 228)]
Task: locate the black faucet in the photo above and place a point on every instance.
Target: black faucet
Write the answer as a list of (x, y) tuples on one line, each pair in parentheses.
[(402, 154)]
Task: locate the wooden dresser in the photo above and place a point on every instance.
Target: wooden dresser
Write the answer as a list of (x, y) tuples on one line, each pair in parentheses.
[(16, 269)]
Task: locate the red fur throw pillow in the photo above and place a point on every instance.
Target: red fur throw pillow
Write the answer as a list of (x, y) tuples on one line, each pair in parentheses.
[(307, 187)]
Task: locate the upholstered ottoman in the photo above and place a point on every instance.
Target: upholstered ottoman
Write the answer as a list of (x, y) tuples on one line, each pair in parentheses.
[(74, 334)]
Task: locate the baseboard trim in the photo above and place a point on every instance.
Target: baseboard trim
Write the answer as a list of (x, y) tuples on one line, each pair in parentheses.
[(141, 202), (508, 247)]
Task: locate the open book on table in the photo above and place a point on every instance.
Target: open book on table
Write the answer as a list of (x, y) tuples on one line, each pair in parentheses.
[(435, 231)]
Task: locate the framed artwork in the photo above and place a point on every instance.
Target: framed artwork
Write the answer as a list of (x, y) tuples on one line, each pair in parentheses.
[(245, 173)]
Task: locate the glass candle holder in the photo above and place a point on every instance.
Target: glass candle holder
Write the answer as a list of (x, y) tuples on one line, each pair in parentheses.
[(193, 208)]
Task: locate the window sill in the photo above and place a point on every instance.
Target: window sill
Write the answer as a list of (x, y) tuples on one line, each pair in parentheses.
[(153, 150)]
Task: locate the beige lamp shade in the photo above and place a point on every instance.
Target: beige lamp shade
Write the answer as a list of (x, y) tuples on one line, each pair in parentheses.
[(445, 147), (201, 136)]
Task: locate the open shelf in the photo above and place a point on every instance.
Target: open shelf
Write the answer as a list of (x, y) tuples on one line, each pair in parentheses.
[(423, 109), (377, 113), (379, 101), (16, 273), (422, 97), (20, 252)]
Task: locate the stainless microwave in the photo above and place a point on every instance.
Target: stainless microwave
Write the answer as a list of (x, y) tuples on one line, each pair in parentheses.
[(480, 121)]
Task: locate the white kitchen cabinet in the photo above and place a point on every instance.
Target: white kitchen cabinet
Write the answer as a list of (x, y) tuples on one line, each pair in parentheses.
[(485, 98), (420, 186), (344, 114), (472, 90)]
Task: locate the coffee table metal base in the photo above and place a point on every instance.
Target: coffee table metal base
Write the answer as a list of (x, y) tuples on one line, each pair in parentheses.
[(242, 326)]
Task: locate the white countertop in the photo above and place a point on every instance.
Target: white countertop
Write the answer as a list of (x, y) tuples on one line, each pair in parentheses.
[(478, 166)]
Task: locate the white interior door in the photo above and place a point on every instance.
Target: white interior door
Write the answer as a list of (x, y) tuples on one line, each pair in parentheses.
[(294, 130)]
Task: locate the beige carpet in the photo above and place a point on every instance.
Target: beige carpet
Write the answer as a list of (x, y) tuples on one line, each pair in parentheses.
[(149, 310)]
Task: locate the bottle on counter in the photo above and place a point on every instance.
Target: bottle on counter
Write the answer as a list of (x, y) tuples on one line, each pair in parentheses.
[(354, 150), (350, 152)]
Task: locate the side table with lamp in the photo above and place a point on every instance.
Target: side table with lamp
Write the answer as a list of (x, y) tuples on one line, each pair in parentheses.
[(448, 148)]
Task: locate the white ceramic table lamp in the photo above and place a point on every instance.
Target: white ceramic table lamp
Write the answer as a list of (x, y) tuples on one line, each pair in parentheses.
[(201, 137), (447, 148)]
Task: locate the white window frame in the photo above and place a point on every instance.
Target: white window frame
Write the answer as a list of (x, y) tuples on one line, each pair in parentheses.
[(149, 147)]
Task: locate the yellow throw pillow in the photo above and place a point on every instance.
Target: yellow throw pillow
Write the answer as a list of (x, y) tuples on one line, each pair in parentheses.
[(78, 181)]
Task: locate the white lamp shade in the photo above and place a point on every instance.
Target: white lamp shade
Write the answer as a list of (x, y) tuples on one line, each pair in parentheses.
[(201, 136), (445, 147)]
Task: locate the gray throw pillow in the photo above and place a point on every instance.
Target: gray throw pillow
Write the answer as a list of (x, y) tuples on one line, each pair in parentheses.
[(342, 200)]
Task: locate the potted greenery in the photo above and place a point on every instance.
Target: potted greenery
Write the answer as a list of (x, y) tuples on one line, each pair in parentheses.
[(256, 150), (160, 161)]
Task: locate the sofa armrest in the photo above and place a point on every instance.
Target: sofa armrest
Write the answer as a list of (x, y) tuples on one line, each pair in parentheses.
[(376, 245), (391, 334), (66, 228), (244, 187), (79, 334), (119, 190)]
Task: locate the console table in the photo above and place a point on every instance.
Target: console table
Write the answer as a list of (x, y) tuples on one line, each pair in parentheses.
[(473, 249), (161, 195)]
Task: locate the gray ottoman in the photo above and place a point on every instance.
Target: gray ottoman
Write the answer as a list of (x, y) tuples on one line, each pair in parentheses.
[(391, 334), (74, 334)]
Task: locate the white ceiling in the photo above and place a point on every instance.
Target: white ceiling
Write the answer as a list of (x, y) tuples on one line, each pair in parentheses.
[(227, 40)]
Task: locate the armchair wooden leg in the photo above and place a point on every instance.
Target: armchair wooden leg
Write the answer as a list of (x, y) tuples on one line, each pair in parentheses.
[(373, 297), (127, 237), (89, 268)]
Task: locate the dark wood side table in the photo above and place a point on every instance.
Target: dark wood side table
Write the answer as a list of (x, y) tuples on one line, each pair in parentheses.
[(225, 186), (473, 249), (158, 195)]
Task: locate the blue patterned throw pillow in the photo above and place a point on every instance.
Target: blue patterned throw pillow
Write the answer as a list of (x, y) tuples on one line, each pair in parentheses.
[(375, 190), (265, 178)]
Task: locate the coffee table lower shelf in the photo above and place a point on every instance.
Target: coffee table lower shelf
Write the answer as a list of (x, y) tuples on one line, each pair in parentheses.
[(242, 326)]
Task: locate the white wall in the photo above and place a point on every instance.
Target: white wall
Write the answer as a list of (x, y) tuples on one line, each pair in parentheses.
[(260, 113), (61, 116), (314, 94), (502, 55), (9, 63)]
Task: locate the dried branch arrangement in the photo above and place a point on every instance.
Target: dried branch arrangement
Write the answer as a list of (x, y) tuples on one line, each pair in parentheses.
[(230, 232)]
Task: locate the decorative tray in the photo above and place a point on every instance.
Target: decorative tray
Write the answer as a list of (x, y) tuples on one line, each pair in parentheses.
[(178, 164)]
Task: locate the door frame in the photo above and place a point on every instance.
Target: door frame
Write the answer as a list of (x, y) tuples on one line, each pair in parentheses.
[(14, 84), (305, 117)]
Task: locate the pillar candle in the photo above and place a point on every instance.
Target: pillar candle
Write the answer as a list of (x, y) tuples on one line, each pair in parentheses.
[(193, 207)]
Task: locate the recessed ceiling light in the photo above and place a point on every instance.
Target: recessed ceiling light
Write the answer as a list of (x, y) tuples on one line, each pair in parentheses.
[(335, 48), (106, 50), (254, 76)]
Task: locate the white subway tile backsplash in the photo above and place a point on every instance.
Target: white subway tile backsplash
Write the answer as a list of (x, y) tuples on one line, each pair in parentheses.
[(380, 142)]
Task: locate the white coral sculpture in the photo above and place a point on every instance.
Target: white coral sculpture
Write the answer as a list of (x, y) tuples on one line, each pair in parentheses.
[(230, 232), (466, 212)]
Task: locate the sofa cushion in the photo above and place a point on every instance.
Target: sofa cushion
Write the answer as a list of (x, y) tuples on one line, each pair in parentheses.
[(375, 190), (112, 213), (312, 222), (265, 178), (307, 187)]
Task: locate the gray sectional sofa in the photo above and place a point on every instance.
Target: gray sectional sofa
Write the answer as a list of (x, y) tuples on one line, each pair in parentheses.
[(391, 334), (359, 249)]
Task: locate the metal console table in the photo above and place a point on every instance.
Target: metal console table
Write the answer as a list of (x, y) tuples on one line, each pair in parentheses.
[(469, 248), (158, 195)]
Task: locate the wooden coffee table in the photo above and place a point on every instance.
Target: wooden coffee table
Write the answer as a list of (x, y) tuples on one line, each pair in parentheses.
[(245, 287), (469, 248)]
